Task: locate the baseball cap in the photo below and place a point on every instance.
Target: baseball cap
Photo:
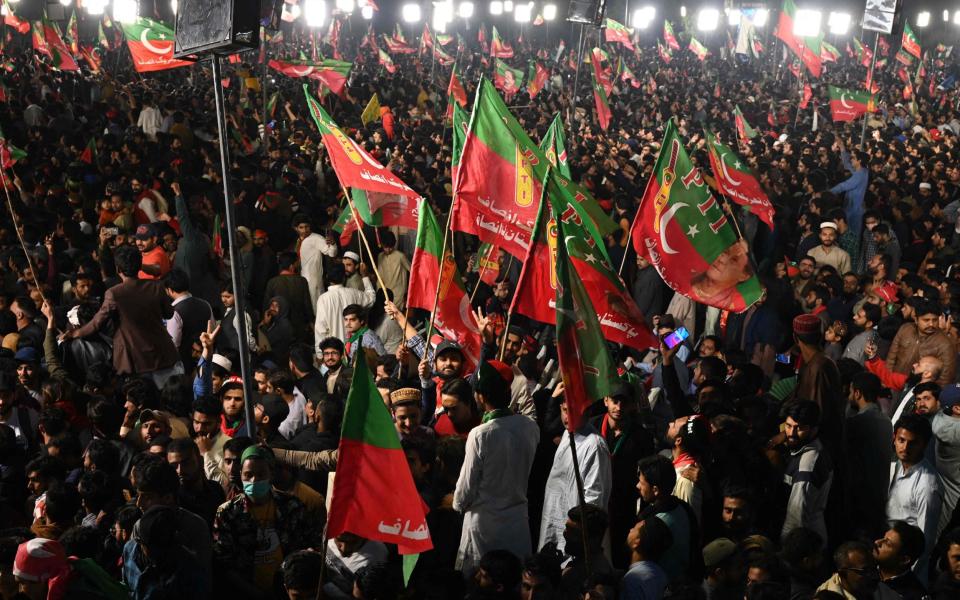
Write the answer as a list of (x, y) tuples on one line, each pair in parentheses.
[(26, 355), (144, 232), (447, 345), (717, 551)]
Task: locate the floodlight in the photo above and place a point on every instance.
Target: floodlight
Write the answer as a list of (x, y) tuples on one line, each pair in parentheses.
[(507, 5), (956, 17), (465, 10), (95, 7), (549, 12), (496, 8), (733, 17), (315, 12), (174, 5), (642, 17), (946, 16), (838, 22), (683, 11), (923, 19), (411, 13), (366, 12), (708, 19), (807, 23), (345, 6), (760, 17), (125, 11), (523, 12), (66, 2)]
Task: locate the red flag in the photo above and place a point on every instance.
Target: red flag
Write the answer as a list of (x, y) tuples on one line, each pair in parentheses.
[(455, 88), (600, 85), (14, 21), (807, 95), (737, 182)]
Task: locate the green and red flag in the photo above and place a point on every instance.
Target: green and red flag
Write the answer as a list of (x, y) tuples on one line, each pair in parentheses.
[(382, 192), (903, 57), (806, 96), (737, 182), (883, 45), (14, 21), (536, 295), (73, 32), (869, 84), (864, 53), (828, 53), (426, 39), (847, 105), (664, 53), (537, 78), (442, 57), (699, 49), (807, 49), (716, 89), (627, 75), (4, 92), (89, 154), (688, 237), (618, 33), (909, 42), (460, 120), (9, 154), (395, 46), (272, 104), (47, 40), (499, 179), (151, 45), (554, 147), (744, 130), (456, 90), (385, 61), (92, 57), (488, 263), (499, 48), (507, 79), (482, 38), (444, 39), (601, 82), (669, 37), (586, 368), (374, 496), (435, 277), (331, 73)]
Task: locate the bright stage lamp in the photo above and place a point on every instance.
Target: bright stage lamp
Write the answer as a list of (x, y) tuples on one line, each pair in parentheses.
[(95, 7), (465, 10), (66, 2), (523, 12), (411, 13), (345, 6), (708, 19), (923, 19), (946, 16), (807, 23), (760, 17), (733, 17), (366, 12), (496, 8), (314, 12), (956, 17), (549, 12), (642, 17), (507, 5), (125, 11), (683, 11), (839, 23)]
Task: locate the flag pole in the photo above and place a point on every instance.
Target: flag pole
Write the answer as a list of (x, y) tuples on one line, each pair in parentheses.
[(436, 296), (873, 62), (576, 77), (363, 238)]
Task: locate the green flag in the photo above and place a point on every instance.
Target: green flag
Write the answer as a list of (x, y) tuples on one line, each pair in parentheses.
[(554, 146)]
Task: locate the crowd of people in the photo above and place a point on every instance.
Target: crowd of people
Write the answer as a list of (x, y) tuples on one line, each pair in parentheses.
[(808, 447)]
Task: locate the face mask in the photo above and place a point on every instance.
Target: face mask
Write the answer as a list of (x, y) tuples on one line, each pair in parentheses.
[(256, 489)]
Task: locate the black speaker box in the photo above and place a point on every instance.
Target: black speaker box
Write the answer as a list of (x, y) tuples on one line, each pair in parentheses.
[(590, 12), (220, 26)]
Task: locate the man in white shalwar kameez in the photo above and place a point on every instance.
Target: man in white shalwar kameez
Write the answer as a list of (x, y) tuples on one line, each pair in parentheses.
[(561, 494), (492, 489), (312, 247)]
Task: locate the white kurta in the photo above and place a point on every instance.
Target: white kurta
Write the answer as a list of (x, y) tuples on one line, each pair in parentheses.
[(561, 495), (492, 489), (330, 305), (312, 250)]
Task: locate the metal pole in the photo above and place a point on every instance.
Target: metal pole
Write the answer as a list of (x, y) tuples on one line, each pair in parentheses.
[(873, 62), (576, 78), (238, 292)]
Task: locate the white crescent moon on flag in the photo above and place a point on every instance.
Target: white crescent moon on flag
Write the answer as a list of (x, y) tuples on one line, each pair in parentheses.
[(303, 72), (466, 314), (149, 45), (664, 221), (726, 173), (843, 101)]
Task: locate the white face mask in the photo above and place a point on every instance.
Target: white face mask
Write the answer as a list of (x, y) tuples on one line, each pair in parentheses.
[(73, 316)]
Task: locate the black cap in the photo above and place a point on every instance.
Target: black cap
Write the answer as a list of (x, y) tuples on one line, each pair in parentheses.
[(447, 345)]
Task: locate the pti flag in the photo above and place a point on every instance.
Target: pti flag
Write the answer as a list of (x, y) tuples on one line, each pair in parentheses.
[(456, 89), (499, 48), (807, 49), (601, 82), (151, 45), (909, 41), (537, 78), (47, 40), (847, 105), (744, 130), (618, 33), (385, 61), (737, 181), (669, 37), (554, 146), (507, 79), (329, 72), (688, 237)]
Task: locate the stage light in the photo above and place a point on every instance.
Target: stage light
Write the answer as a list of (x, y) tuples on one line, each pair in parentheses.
[(733, 17), (946, 16), (507, 5), (496, 8), (642, 17), (174, 5), (366, 12), (314, 12), (549, 12), (95, 7), (66, 2), (683, 11), (760, 17), (465, 10), (807, 23), (523, 12), (838, 22), (708, 19), (442, 14), (411, 13), (923, 19), (345, 6), (956, 17), (125, 11)]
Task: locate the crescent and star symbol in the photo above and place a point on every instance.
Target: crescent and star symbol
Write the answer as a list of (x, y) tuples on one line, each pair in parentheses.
[(726, 173), (664, 221), (843, 100), (145, 40)]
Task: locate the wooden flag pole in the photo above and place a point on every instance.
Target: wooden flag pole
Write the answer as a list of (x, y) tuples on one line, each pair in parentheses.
[(363, 238)]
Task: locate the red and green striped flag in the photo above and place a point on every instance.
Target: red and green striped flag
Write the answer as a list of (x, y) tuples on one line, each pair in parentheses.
[(620, 319), (903, 57), (271, 107), (537, 78), (627, 75), (600, 84), (151, 45), (499, 179), (47, 40), (847, 105), (828, 53), (92, 56), (688, 237), (432, 268), (864, 53), (89, 154), (331, 73), (73, 32), (909, 42), (554, 146), (699, 49), (744, 130), (669, 37), (4, 92), (397, 47), (455, 88), (807, 49), (442, 57), (385, 61), (461, 122), (618, 33), (374, 495), (216, 242), (22, 26), (664, 53), (9, 154), (499, 48), (737, 182), (507, 79)]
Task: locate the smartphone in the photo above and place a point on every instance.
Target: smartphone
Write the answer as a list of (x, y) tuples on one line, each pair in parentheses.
[(113, 231), (675, 337), (784, 359)]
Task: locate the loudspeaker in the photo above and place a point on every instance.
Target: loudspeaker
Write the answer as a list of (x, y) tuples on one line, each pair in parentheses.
[(590, 12), (219, 26)]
